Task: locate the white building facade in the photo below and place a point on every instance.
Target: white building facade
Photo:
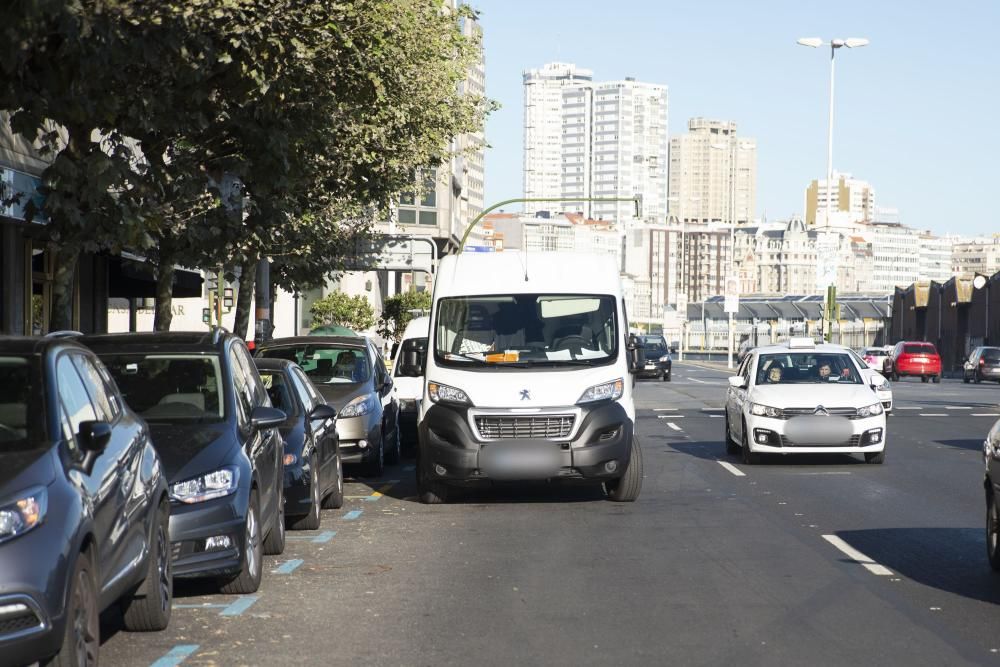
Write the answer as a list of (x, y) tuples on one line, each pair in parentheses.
[(978, 255), (851, 200)]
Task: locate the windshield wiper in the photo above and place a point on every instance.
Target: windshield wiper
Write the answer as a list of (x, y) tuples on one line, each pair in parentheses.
[(562, 362)]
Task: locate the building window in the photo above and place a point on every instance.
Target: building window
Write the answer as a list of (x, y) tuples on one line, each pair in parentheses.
[(428, 218), (407, 216)]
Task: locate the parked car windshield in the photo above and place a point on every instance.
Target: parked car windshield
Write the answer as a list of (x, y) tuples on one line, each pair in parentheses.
[(523, 330), (925, 348), (806, 368), (20, 409), (170, 387), (325, 364)]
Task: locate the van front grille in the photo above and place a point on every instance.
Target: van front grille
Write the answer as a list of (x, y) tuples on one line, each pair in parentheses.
[(548, 427)]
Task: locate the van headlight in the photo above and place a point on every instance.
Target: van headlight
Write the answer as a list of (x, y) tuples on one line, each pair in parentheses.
[(609, 391), (213, 485), (870, 410), (359, 407), (23, 513), (765, 411), (442, 393)]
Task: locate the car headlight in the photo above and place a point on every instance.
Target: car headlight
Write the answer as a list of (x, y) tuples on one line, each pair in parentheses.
[(885, 386), (442, 393), (609, 391), (870, 410), (359, 407), (24, 513), (765, 410), (215, 484), (665, 358)]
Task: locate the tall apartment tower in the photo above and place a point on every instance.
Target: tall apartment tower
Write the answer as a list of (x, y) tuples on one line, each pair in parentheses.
[(543, 128), (615, 145), (708, 166), (853, 201)]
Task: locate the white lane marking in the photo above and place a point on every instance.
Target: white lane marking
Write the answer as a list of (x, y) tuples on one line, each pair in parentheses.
[(910, 407), (674, 426), (664, 409), (985, 414), (731, 468), (957, 407), (716, 416), (701, 381), (713, 409), (670, 416), (933, 414), (858, 557)]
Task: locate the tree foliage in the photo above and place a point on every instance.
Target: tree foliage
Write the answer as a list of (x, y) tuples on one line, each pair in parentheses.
[(353, 312), (398, 311)]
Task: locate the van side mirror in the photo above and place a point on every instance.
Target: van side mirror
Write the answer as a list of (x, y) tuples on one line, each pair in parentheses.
[(636, 354), (93, 437), (413, 357)]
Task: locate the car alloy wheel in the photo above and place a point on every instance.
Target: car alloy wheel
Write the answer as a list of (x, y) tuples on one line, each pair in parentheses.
[(85, 618), (253, 544), (164, 576), (993, 532)]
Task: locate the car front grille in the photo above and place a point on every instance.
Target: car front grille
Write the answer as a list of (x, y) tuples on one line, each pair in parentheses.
[(854, 441), (848, 413), (549, 427)]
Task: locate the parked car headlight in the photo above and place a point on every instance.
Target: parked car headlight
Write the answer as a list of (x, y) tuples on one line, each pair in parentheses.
[(359, 407), (765, 410), (870, 410), (24, 513), (665, 358), (442, 393), (609, 391), (213, 485)]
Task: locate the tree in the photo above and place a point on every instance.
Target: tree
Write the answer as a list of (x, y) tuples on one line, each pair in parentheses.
[(353, 312), (397, 311)]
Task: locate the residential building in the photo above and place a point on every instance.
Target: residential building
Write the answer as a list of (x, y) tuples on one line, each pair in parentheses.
[(543, 130), (709, 165), (851, 201), (978, 255), (895, 255), (935, 261)]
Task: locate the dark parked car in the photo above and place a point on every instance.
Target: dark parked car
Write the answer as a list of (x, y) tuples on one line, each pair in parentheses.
[(83, 506), (983, 364), (313, 473), (216, 432), (991, 484), (657, 355), (352, 377)]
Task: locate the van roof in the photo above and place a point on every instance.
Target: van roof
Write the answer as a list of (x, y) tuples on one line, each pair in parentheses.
[(527, 272)]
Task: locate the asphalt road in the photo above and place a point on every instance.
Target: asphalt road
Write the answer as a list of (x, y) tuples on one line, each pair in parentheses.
[(820, 561)]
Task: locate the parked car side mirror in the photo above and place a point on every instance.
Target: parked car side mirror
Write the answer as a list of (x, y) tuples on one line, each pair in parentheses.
[(413, 357), (737, 381), (93, 437), (636, 354), (387, 384), (265, 417)]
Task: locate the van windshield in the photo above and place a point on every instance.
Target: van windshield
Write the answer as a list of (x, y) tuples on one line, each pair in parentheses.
[(526, 330)]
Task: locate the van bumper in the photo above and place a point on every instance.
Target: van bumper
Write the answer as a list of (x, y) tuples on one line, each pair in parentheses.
[(450, 451)]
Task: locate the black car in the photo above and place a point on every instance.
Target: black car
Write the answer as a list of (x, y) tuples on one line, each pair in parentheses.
[(313, 473), (991, 484), (982, 364), (657, 355), (351, 375), (84, 512), (216, 432)]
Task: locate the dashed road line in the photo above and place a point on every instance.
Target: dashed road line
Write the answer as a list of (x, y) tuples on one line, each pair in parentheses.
[(664, 409), (985, 414), (731, 468), (716, 416), (933, 414), (858, 557), (957, 407), (176, 655), (908, 407), (288, 566), (701, 381), (670, 416), (674, 426), (352, 515)]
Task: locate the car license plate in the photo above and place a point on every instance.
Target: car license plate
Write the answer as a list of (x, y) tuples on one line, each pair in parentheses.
[(530, 461), (810, 430), (650, 366)]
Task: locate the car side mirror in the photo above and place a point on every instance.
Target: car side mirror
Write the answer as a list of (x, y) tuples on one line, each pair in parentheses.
[(387, 384), (413, 357), (636, 354), (737, 381), (93, 437), (264, 417), (323, 411)]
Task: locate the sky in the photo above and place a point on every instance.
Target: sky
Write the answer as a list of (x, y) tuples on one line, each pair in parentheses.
[(917, 111)]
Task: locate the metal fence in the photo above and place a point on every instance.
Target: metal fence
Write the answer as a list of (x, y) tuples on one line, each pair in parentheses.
[(713, 335)]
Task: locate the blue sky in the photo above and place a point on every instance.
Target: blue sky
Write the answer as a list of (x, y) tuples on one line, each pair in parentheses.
[(917, 111)]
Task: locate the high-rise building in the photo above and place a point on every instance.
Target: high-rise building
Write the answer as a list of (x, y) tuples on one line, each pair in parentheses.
[(935, 257), (978, 255), (543, 130), (709, 166), (895, 255), (851, 201)]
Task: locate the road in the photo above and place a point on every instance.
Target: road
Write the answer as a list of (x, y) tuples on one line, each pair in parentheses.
[(821, 561)]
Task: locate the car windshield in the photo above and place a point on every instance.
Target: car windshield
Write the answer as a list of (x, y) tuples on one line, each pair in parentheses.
[(991, 355), (20, 405), (806, 368), (654, 350), (325, 364), (279, 390), (523, 330), (169, 388), (875, 352), (925, 348)]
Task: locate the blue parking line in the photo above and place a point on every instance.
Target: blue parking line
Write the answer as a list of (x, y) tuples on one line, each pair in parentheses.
[(288, 566), (240, 606), (204, 605), (324, 537), (352, 515), (176, 655)]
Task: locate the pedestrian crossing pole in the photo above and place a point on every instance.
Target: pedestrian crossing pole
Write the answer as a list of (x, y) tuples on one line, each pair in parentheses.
[(830, 312)]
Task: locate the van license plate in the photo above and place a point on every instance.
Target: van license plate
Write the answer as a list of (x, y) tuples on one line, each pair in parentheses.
[(520, 461)]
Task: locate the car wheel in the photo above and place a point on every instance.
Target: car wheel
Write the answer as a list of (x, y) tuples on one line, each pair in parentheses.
[(248, 580), (626, 488), (148, 610), (750, 458), (82, 637), (732, 447), (936, 379), (392, 456), (965, 379), (993, 532), (666, 376), (335, 499), (924, 379), (431, 493), (376, 466), (875, 458), (311, 520), (978, 379), (274, 543)]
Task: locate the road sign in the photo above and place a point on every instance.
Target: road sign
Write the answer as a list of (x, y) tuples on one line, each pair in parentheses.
[(827, 260), (479, 248), (732, 300), (394, 253)]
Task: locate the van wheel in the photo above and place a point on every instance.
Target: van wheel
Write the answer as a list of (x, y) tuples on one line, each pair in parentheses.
[(750, 458), (431, 493), (274, 543), (993, 532), (248, 580), (148, 610), (81, 643), (335, 499), (626, 488), (732, 447), (875, 458)]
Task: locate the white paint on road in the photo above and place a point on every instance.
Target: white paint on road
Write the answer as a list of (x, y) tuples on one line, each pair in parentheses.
[(664, 409), (908, 407), (858, 557), (985, 414), (670, 416), (933, 414), (674, 426), (731, 468), (957, 407), (701, 381)]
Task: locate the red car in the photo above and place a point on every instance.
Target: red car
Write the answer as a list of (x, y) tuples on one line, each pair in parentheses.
[(916, 358)]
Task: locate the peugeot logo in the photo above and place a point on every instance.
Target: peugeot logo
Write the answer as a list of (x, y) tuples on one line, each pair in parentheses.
[(525, 395), (820, 410)]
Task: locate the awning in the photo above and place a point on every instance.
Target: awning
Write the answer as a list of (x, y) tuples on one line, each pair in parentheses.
[(132, 277)]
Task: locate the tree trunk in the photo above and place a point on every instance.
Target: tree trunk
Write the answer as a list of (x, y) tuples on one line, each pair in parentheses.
[(244, 299), (164, 294), (63, 281)]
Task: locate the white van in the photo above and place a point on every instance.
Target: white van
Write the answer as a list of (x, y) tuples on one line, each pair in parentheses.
[(409, 388), (527, 375)]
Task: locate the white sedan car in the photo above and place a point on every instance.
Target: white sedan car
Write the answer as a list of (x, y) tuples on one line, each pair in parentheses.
[(803, 398), (879, 382)]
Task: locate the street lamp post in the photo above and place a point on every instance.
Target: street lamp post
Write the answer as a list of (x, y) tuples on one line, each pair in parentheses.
[(731, 272)]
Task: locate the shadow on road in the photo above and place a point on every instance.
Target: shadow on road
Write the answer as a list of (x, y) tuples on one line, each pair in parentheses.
[(715, 450), (975, 444), (949, 559)]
